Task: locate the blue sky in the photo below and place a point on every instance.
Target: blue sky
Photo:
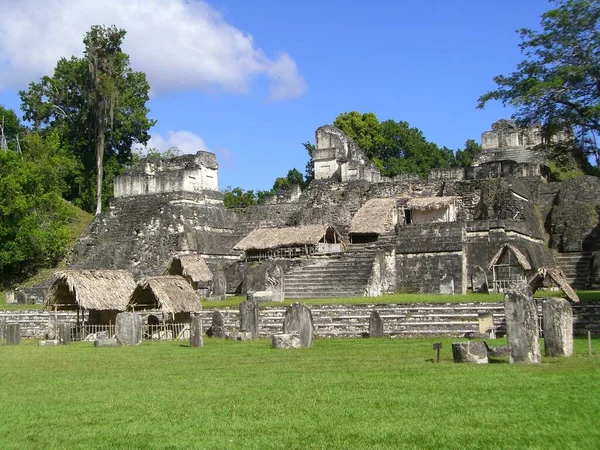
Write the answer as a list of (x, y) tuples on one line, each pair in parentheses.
[(252, 80)]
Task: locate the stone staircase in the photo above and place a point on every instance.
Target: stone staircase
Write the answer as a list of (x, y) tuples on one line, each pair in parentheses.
[(577, 267), (343, 275)]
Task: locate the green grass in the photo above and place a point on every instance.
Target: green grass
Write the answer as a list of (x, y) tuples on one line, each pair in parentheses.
[(340, 394), (233, 302)]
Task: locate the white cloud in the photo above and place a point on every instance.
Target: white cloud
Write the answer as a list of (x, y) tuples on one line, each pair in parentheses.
[(185, 141), (179, 44)]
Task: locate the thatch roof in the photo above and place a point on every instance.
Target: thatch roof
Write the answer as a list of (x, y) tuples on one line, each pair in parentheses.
[(521, 258), (375, 216), (191, 267), (91, 289), (270, 238), (169, 293), (558, 277), (430, 203)]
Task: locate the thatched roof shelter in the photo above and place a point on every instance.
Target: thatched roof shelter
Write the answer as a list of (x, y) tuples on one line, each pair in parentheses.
[(193, 268), (520, 257), (376, 216), (558, 277), (101, 290), (168, 293), (272, 238), (430, 203)]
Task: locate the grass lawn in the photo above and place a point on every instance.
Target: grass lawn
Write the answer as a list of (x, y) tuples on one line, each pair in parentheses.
[(352, 393)]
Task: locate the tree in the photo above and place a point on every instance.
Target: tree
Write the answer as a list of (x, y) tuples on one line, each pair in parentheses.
[(558, 84), (33, 216), (465, 158), (309, 170), (97, 104), (395, 147), (10, 127)]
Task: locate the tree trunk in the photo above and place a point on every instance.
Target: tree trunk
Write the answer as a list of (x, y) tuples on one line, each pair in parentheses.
[(99, 157)]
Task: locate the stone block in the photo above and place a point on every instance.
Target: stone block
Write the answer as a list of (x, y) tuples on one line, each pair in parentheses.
[(2, 330), (64, 333), (479, 282), (219, 285), (112, 342), (9, 296), (298, 317), (241, 336), (470, 352), (249, 318), (375, 325), (13, 334), (218, 327), (522, 326), (558, 327), (486, 322), (49, 343), (286, 340), (128, 329), (260, 296), (499, 351), (196, 339)]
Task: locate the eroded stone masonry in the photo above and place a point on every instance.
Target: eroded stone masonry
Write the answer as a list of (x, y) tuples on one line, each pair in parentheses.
[(496, 223)]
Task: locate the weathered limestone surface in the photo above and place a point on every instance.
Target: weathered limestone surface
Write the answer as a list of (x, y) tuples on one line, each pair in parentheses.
[(64, 333), (219, 286), (479, 282), (298, 318), (49, 343), (522, 326), (112, 342), (240, 336), (470, 352), (128, 330), (13, 334), (196, 339), (217, 328), (2, 330), (486, 324), (499, 351), (286, 340), (249, 318), (375, 325), (558, 327), (260, 296)]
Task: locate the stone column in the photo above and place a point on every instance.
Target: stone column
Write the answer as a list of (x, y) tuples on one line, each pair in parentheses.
[(375, 325), (196, 339), (522, 326), (2, 330), (128, 328), (298, 318), (218, 329), (13, 334), (558, 327), (64, 333), (249, 318)]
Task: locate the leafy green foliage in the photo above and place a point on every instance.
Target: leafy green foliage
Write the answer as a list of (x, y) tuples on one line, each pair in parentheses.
[(465, 157), (395, 147), (240, 198), (84, 97), (33, 216), (558, 84)]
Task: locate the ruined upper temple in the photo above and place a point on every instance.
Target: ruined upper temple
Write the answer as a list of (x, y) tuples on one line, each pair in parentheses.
[(338, 157), (507, 142), (186, 173)]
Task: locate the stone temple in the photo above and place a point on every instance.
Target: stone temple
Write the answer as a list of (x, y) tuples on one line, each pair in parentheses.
[(353, 232)]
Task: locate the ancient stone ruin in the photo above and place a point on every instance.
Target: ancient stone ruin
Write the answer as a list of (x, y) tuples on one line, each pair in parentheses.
[(522, 331), (352, 232)]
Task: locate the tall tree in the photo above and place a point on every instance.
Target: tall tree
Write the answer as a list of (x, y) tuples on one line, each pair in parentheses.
[(97, 104), (558, 83)]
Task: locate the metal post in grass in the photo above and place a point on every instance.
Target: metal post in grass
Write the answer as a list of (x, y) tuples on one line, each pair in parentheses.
[(437, 346)]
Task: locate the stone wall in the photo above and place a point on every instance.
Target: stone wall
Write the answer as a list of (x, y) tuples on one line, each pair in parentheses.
[(352, 321), (187, 173)]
